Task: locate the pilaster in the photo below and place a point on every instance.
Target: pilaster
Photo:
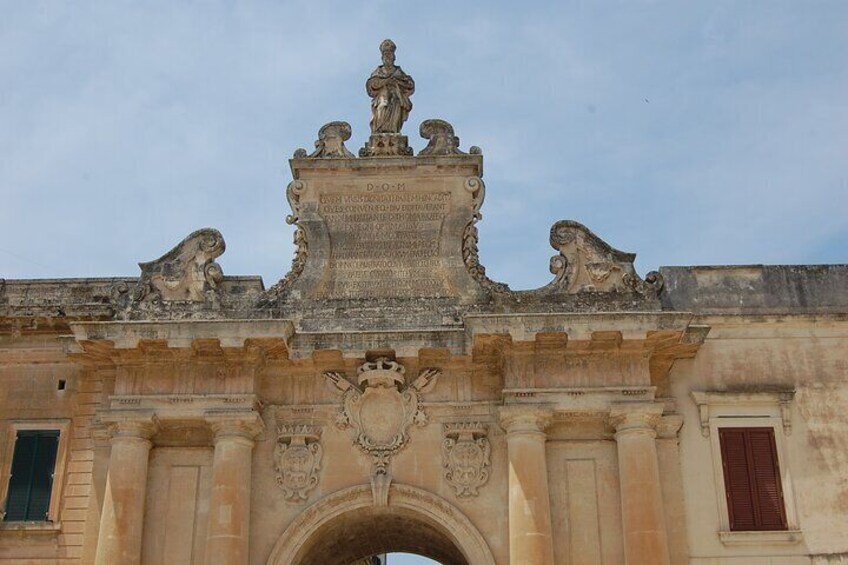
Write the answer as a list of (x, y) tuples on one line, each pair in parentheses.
[(121, 521), (530, 535), (643, 521), (228, 532)]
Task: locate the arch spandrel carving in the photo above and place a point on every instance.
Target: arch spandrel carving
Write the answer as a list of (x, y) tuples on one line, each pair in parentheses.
[(415, 508)]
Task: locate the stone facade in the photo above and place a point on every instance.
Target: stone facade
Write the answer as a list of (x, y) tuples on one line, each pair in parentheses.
[(387, 395)]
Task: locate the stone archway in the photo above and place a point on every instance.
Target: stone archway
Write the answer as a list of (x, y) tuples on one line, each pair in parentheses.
[(347, 526)]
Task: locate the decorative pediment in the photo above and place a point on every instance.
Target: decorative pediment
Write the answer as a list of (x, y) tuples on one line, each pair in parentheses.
[(586, 263), (381, 407)]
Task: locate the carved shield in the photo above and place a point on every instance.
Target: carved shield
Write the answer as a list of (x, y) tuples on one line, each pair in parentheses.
[(296, 465), (466, 457), (297, 460), (381, 417)]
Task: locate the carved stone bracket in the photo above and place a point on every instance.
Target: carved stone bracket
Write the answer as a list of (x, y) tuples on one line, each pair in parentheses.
[(466, 456), (586, 263), (186, 274), (381, 408), (297, 460), (442, 140), (470, 236)]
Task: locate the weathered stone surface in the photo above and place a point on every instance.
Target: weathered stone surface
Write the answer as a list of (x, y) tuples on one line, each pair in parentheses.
[(376, 229), (765, 289), (575, 423)]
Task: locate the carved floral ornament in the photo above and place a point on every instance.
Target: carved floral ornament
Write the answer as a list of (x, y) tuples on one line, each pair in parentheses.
[(297, 460), (466, 456), (381, 407)]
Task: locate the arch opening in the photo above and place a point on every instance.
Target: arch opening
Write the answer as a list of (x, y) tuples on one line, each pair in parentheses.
[(347, 527), (361, 533)]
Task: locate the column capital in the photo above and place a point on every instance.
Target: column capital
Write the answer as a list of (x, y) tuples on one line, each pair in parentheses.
[(245, 424), (525, 419), (134, 424), (633, 416)]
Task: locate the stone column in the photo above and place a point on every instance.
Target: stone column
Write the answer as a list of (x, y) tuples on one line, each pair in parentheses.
[(229, 502), (121, 521), (645, 537), (530, 539)]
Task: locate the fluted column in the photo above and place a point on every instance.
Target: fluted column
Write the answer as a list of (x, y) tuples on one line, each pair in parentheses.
[(645, 537), (121, 521), (228, 532), (530, 539)]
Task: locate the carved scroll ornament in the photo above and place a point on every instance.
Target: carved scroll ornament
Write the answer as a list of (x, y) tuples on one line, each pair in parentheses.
[(330, 144), (297, 460), (301, 245), (586, 263), (466, 456), (188, 273), (381, 407), (441, 137), (470, 236)]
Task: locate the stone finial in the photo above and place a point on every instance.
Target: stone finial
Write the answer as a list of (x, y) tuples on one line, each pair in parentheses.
[(390, 89), (330, 144), (442, 140)]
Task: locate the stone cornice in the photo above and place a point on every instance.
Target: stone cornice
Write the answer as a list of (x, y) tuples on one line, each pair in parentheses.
[(709, 402), (181, 407), (182, 333), (588, 400), (434, 164)]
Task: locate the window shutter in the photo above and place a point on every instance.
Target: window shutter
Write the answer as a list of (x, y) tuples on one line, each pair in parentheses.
[(18, 496), (752, 479), (769, 494), (31, 483)]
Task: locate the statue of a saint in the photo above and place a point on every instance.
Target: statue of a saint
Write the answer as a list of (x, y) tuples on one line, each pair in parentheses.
[(389, 88)]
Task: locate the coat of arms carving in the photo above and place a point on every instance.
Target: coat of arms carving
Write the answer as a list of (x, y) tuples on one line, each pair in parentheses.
[(297, 460), (381, 407), (466, 456)]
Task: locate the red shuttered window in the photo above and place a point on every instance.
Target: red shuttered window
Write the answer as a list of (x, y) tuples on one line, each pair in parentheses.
[(752, 479)]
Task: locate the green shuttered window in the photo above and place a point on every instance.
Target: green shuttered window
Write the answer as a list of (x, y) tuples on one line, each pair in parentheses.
[(752, 479), (31, 481)]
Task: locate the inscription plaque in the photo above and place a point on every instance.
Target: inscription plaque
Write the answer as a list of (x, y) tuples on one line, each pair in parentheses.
[(385, 244), (400, 228)]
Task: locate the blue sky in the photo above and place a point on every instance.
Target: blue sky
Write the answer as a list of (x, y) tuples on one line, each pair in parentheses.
[(708, 132)]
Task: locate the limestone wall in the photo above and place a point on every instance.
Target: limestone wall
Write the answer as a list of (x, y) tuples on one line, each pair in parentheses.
[(752, 355), (33, 370)]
